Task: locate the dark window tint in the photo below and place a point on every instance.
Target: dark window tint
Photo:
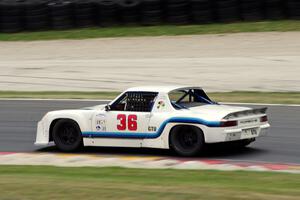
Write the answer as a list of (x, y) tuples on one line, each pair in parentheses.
[(135, 101)]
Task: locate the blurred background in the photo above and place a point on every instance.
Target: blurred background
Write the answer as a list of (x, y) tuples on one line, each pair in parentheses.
[(20, 15), (181, 55)]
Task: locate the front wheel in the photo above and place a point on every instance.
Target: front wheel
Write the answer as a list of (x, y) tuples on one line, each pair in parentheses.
[(67, 135), (186, 140)]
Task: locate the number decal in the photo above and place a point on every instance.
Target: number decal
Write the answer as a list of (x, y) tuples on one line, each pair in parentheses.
[(122, 122), (131, 124)]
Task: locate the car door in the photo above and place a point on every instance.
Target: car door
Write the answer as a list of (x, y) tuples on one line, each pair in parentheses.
[(129, 116)]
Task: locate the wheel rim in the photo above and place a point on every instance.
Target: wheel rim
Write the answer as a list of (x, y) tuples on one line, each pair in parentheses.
[(188, 139), (68, 135)]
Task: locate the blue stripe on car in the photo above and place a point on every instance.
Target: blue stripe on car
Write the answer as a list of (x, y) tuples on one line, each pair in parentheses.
[(151, 135)]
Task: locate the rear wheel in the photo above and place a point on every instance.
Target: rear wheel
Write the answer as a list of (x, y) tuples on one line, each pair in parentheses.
[(67, 135), (186, 140)]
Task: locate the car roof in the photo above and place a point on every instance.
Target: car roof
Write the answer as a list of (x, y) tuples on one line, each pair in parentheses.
[(160, 88)]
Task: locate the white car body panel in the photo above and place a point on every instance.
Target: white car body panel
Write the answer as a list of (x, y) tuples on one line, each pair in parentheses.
[(99, 127)]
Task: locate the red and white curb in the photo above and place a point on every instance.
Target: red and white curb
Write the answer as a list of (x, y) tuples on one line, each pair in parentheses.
[(153, 162)]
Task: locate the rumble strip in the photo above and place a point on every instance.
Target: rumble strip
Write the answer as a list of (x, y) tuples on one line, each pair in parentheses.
[(105, 160)]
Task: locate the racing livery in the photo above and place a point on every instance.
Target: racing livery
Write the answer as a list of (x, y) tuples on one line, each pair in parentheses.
[(167, 117)]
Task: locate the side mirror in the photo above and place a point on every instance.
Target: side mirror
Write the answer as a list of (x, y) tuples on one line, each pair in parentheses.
[(107, 108)]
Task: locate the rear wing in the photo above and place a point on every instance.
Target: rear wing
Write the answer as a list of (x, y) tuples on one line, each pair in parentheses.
[(256, 111)]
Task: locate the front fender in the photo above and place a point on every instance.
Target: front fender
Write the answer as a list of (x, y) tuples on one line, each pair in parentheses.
[(81, 117)]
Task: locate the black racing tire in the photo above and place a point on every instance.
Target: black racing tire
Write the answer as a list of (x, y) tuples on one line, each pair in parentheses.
[(128, 11), (11, 8), (60, 8), (10, 27), (62, 21), (151, 5), (84, 10), (37, 26), (293, 9), (251, 10), (226, 3), (128, 4), (106, 12), (151, 22), (202, 16), (84, 23), (201, 4), (186, 140), (36, 18), (33, 4), (229, 14), (62, 26), (67, 135), (251, 5), (274, 9), (151, 17), (83, 4), (173, 8), (11, 19), (178, 19), (41, 11), (106, 4), (176, 1), (255, 16)]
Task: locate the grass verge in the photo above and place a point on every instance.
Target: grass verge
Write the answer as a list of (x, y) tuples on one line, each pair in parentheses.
[(58, 95), (42, 182), (237, 96), (98, 32)]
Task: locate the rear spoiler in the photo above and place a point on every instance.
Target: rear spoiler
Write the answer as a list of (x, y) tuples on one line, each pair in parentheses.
[(256, 111)]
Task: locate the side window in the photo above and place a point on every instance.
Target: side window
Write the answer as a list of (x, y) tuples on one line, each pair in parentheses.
[(135, 101), (120, 104), (182, 99), (179, 95)]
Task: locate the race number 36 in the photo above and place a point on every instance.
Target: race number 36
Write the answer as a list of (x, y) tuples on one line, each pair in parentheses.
[(127, 123)]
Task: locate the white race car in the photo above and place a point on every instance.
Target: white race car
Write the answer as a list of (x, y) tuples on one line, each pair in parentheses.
[(167, 117)]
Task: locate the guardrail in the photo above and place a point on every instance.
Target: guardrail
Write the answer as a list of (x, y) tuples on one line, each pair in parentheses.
[(32, 15)]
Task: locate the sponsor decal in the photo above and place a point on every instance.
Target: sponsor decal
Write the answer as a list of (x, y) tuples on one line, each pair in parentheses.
[(100, 128), (161, 104), (152, 128), (100, 122), (100, 125)]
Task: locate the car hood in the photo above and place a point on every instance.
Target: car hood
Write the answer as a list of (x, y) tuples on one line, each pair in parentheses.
[(84, 111), (97, 107), (216, 111)]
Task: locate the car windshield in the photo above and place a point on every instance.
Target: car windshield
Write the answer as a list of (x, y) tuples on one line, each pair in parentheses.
[(187, 98)]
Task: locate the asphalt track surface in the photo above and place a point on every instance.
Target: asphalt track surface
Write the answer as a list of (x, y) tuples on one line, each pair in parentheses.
[(18, 119)]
